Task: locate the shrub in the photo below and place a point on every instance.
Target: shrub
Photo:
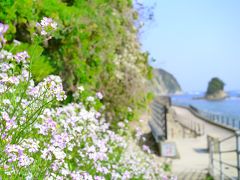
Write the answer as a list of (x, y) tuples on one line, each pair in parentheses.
[(42, 140), (96, 46)]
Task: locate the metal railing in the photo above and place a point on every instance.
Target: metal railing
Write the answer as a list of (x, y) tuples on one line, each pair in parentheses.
[(225, 157), (224, 119), (228, 120), (198, 129)]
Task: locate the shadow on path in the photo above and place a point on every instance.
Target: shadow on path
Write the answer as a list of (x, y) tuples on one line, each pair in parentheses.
[(201, 150), (148, 140)]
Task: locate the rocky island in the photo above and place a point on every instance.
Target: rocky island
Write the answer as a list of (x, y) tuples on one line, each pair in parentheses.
[(215, 90)]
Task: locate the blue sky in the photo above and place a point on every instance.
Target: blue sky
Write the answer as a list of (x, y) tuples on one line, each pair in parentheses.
[(195, 40)]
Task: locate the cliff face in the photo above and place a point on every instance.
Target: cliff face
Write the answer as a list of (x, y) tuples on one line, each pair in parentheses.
[(163, 83)]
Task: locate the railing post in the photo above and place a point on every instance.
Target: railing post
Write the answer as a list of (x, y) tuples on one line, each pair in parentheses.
[(203, 129), (235, 123), (238, 152), (195, 129), (220, 161), (211, 163), (227, 121)]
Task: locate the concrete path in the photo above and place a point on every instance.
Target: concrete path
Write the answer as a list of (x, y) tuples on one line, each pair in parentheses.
[(193, 152)]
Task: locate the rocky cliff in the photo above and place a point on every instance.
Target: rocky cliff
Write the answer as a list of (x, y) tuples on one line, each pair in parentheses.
[(163, 83)]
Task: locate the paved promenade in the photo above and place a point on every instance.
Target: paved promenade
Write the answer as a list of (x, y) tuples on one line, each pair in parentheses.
[(193, 151)]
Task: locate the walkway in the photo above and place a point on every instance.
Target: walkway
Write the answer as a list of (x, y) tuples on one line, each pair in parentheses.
[(194, 157)]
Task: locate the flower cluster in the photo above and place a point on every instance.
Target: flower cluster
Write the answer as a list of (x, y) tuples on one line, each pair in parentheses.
[(51, 88), (13, 70), (130, 66), (80, 132), (46, 27), (21, 57), (21, 104), (69, 142), (140, 161), (16, 153)]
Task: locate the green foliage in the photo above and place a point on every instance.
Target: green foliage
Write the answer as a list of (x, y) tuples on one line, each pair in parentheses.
[(215, 85), (96, 43), (167, 167), (209, 177)]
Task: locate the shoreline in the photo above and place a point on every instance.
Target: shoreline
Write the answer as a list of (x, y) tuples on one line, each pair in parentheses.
[(211, 99)]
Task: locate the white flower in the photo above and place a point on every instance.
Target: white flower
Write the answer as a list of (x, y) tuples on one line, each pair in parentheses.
[(81, 88), (29, 176), (16, 42), (5, 116), (31, 145), (6, 101), (43, 33), (54, 25), (46, 27), (46, 154), (99, 95), (25, 160), (5, 67), (21, 57), (90, 99), (129, 109), (121, 125), (59, 154), (146, 149)]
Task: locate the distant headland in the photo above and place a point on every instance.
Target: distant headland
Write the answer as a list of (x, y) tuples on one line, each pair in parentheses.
[(163, 83)]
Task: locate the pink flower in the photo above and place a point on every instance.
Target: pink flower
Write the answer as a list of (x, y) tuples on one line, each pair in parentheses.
[(21, 57), (5, 116), (146, 149), (121, 125), (99, 95), (5, 67), (25, 160), (3, 29), (97, 115), (46, 27), (11, 124), (14, 80)]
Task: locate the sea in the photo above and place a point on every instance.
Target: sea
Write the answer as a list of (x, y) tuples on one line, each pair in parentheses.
[(229, 107)]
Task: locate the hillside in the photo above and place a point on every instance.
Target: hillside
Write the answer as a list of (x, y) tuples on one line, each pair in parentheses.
[(164, 83)]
